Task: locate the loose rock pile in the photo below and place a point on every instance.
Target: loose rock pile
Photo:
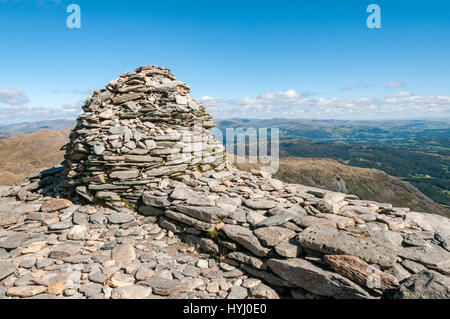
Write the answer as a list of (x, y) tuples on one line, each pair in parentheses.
[(142, 128), (203, 232)]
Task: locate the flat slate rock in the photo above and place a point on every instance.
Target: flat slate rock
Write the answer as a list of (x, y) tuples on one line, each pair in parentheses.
[(9, 218), (131, 292), (430, 256), (207, 214), (54, 205), (6, 269), (120, 218), (165, 287), (316, 280), (426, 284), (123, 254), (13, 240), (330, 241), (245, 237), (272, 236), (260, 204), (237, 292), (276, 220)]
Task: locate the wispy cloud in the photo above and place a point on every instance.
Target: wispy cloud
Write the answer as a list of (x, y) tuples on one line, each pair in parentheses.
[(13, 96), (294, 104), (395, 84), (358, 85), (22, 113), (401, 94), (80, 92)]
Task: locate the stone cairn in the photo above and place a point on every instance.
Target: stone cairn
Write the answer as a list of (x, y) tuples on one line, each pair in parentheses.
[(141, 129), (132, 158)]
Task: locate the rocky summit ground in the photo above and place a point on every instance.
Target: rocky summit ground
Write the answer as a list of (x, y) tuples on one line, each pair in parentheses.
[(53, 248), (274, 240)]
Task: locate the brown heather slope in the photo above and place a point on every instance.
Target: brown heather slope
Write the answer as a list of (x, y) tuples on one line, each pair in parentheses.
[(26, 154), (368, 184)]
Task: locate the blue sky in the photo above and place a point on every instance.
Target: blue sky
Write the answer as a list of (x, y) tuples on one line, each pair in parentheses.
[(260, 59)]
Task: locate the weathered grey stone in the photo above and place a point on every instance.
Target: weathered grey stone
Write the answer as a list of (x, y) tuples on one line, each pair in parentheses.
[(316, 280), (78, 232), (131, 292), (288, 249), (5, 191), (293, 211), (165, 287), (124, 174), (25, 291), (260, 204), (204, 244), (207, 214), (433, 256), (9, 218), (245, 237), (307, 221), (202, 226), (155, 201), (443, 237), (267, 276), (91, 289), (13, 240), (123, 254), (237, 292), (426, 284), (263, 291), (98, 218), (151, 211), (65, 224), (54, 205), (253, 217), (120, 217), (6, 269), (247, 259), (183, 193), (428, 222), (328, 240), (274, 221), (167, 170), (272, 236)]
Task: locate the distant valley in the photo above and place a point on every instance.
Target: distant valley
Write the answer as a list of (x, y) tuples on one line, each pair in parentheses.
[(416, 151)]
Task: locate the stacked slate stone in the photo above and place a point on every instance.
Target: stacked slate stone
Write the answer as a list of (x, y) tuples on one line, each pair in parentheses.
[(141, 129), (313, 242)]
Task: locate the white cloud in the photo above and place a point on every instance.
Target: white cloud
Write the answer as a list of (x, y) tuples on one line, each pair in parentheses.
[(13, 96), (401, 94), (358, 85), (80, 92), (395, 84), (292, 104), (21, 113)]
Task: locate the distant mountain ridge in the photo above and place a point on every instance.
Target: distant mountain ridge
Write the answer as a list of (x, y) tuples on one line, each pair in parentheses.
[(31, 127)]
